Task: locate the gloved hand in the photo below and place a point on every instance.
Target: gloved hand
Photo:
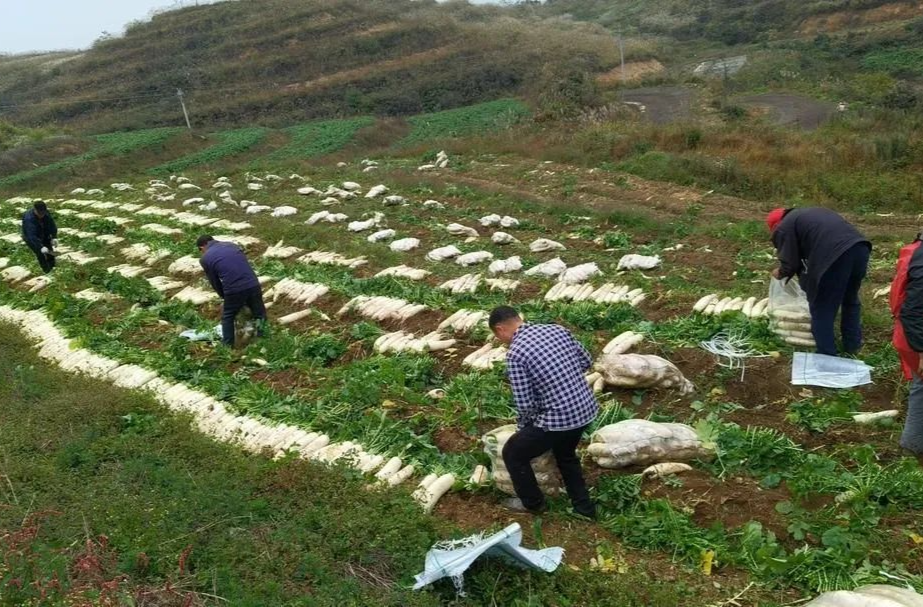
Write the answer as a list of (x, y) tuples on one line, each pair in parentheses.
[(45, 251), (54, 243)]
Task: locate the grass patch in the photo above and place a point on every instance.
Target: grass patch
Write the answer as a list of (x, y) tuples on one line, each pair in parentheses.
[(318, 138), (466, 121), (230, 143)]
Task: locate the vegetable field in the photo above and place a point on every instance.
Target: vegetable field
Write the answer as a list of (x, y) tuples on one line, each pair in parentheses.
[(378, 356)]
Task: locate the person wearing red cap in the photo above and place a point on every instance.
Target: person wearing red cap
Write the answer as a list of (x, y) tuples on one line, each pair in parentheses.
[(830, 257)]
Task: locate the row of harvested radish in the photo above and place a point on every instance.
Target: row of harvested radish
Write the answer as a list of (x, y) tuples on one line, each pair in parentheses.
[(606, 294), (299, 292), (381, 308), (485, 357), (402, 341), (328, 258), (715, 304), (213, 417)]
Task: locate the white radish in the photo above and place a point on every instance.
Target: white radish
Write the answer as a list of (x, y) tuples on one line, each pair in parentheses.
[(665, 469), (870, 418)]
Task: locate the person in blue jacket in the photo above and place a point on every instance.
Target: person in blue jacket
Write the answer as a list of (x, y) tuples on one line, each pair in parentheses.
[(40, 234), (234, 281)]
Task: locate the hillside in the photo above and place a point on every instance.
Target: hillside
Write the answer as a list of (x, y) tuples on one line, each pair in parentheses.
[(279, 62)]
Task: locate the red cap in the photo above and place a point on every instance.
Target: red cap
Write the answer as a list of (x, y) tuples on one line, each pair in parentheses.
[(774, 218)]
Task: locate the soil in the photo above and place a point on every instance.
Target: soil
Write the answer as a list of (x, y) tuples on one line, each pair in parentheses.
[(454, 440), (795, 110), (663, 104)]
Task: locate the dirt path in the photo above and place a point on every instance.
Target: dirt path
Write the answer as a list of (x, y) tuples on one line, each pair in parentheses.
[(794, 110), (662, 104)]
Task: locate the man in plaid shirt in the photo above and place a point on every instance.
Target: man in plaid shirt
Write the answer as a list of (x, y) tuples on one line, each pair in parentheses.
[(546, 367)]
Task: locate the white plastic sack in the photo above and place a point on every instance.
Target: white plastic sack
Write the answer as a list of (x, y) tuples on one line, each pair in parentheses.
[(453, 558), (809, 369)]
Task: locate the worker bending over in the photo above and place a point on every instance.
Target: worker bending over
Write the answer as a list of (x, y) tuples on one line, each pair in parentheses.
[(40, 234), (555, 405), (907, 308), (830, 257), (234, 281)]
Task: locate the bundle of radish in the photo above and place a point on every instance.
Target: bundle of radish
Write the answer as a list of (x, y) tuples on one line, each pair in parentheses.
[(606, 294), (156, 211), (468, 283), (376, 191), (78, 258), (552, 267), (457, 229), (327, 258), (579, 274), (404, 272), (623, 342), (641, 371), (299, 292), (431, 489), (875, 595), (195, 296), (490, 220), (639, 262), (308, 191), (38, 283), (503, 238), (234, 226), (91, 295), (636, 442), (543, 244), (790, 314), (404, 245), (284, 211), (326, 217), (714, 305), (381, 235), (433, 204), (186, 265), (164, 284), (160, 229), (544, 466), (470, 259), (368, 224), (280, 251), (193, 219), (126, 270), (401, 341), (464, 320), (443, 253), (241, 241), (502, 284), (382, 308), (505, 266), (485, 357)]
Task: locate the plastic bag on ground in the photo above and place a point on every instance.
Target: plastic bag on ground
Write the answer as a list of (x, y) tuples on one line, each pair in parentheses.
[(453, 558), (824, 371), (193, 335)]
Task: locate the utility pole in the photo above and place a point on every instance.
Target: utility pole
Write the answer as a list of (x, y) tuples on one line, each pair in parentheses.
[(179, 93), (622, 55)]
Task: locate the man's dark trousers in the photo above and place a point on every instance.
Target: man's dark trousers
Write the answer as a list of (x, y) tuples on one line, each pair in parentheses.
[(838, 289), (233, 303), (47, 262), (530, 442)]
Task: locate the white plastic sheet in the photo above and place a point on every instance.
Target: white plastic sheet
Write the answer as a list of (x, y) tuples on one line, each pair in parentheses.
[(810, 369), (452, 559)]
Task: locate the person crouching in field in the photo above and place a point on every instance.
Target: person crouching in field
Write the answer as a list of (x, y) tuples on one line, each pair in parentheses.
[(234, 281), (555, 405), (907, 309), (830, 257), (40, 234)]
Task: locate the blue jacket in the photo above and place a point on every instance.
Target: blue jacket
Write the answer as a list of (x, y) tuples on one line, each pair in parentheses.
[(227, 268), (38, 233)]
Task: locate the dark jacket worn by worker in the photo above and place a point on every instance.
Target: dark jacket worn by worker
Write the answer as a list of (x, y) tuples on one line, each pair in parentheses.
[(227, 268), (808, 241), (910, 312), (38, 233)]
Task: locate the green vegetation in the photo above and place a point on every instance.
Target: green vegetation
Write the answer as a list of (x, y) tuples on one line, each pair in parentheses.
[(467, 121), (108, 145), (230, 143), (900, 62), (317, 138)]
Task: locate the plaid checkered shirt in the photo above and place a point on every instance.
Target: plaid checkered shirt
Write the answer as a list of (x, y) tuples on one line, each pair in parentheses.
[(546, 367)]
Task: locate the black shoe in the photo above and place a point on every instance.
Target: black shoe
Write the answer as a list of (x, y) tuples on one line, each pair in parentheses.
[(515, 504)]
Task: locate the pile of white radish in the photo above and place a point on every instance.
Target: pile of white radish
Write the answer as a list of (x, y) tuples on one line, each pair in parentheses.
[(404, 272), (127, 270), (299, 292), (160, 229), (404, 245), (471, 259), (443, 253), (164, 284), (381, 308), (195, 296), (381, 235), (280, 251), (186, 265), (505, 266), (713, 305), (875, 595), (579, 274), (790, 314), (464, 320), (544, 465), (78, 258), (502, 284), (550, 268), (376, 191), (368, 224), (241, 241), (543, 244), (640, 442), (457, 229), (143, 253), (607, 294), (503, 238), (493, 220), (485, 357), (328, 258), (284, 211), (638, 262), (637, 371), (401, 341), (468, 283), (326, 217), (214, 417), (91, 295), (37, 283)]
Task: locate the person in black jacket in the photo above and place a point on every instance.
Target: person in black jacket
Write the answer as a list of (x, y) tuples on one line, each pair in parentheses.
[(40, 234), (234, 281), (908, 341), (830, 257)]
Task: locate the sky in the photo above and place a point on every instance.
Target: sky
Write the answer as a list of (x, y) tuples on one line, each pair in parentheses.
[(46, 25)]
